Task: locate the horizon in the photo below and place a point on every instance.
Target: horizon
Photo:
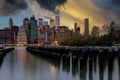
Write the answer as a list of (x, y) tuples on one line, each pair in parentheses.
[(99, 12)]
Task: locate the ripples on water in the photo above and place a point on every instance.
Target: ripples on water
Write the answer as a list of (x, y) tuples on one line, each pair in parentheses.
[(21, 65)]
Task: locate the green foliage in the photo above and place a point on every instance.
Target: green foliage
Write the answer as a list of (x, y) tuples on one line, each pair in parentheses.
[(95, 31), (105, 40)]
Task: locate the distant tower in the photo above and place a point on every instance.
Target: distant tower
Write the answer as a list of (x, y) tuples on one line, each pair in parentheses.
[(52, 24), (41, 32), (86, 32), (27, 27), (10, 23), (45, 23), (34, 29), (78, 30), (21, 37), (26, 22), (40, 20), (57, 21), (75, 27)]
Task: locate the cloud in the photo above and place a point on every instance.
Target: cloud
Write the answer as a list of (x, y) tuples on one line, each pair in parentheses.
[(11, 7), (109, 9), (51, 4), (116, 2)]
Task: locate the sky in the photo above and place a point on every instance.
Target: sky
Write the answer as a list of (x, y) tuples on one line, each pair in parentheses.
[(99, 12)]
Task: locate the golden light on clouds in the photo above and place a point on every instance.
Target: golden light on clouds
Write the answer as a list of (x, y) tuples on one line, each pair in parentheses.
[(79, 10), (74, 11)]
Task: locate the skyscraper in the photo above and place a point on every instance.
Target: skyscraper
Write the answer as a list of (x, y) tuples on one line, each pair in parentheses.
[(21, 37), (34, 30), (27, 26), (26, 21), (45, 23), (15, 33), (52, 23), (40, 21), (41, 32), (86, 32), (75, 27), (10, 23), (57, 21)]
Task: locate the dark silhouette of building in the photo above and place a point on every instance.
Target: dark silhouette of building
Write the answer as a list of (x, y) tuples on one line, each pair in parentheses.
[(115, 31), (62, 33), (10, 23), (15, 31), (6, 36), (27, 26), (34, 30), (86, 32), (40, 20), (57, 21), (52, 23)]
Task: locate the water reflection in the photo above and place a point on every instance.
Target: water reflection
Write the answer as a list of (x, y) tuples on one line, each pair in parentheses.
[(1, 61), (21, 65)]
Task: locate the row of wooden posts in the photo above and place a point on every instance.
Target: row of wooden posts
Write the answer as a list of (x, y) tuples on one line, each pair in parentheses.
[(77, 55), (81, 53)]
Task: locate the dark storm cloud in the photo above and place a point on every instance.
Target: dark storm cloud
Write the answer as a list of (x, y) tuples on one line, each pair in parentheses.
[(110, 9), (8, 7), (116, 2), (51, 4)]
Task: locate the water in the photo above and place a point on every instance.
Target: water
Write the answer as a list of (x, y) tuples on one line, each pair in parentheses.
[(21, 65)]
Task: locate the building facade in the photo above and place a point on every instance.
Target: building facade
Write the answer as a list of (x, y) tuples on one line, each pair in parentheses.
[(21, 37), (34, 30), (86, 28), (6, 36), (15, 31), (52, 23), (10, 23), (27, 26), (116, 31), (62, 33), (57, 21), (41, 32)]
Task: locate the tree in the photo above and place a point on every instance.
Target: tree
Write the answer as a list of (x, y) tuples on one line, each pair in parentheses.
[(111, 28), (104, 30), (95, 31), (108, 29)]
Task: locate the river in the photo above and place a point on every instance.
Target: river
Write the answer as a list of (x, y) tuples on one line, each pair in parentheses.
[(21, 65)]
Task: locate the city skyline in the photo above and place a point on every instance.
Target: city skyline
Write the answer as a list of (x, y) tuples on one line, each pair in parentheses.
[(69, 11)]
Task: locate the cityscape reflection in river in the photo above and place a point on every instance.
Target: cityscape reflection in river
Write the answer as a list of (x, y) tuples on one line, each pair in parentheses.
[(21, 65)]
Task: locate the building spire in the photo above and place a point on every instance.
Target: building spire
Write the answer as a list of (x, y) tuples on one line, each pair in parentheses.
[(10, 22)]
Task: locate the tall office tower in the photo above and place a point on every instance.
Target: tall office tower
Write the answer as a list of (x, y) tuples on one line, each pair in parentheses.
[(75, 27), (63, 33), (27, 26), (41, 32), (45, 23), (26, 21), (21, 37), (10, 23), (57, 21), (78, 30), (52, 24), (15, 32), (40, 21), (34, 30), (6, 36), (86, 32)]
